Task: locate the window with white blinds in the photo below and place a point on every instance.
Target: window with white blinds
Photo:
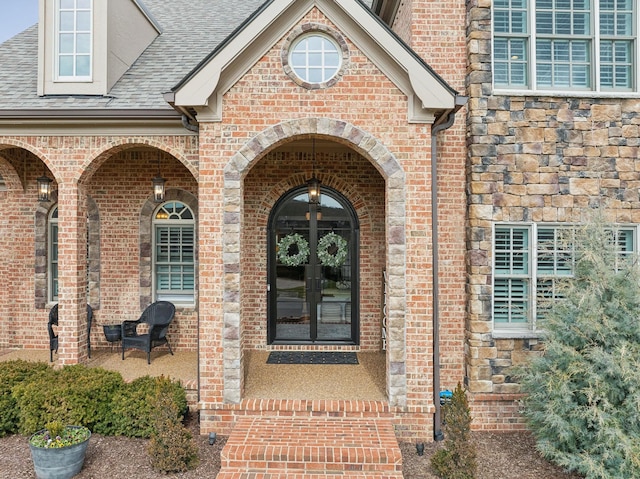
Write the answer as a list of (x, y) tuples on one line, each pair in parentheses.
[(565, 45), (174, 253), (528, 263), (52, 265)]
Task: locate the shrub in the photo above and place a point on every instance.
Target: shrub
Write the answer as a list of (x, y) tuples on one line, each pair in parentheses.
[(132, 406), (172, 447), (457, 460), (583, 393), (11, 374), (74, 395), (33, 394)]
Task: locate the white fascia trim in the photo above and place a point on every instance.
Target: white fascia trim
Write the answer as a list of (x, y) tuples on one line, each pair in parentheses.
[(198, 90), (154, 23)]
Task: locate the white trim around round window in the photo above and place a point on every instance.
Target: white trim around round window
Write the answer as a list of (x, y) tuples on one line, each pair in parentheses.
[(315, 56)]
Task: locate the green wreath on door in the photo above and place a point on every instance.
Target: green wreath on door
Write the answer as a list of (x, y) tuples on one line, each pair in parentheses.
[(332, 250), (284, 247)]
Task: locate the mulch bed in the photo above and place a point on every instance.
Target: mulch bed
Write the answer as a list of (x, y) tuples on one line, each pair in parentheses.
[(500, 456)]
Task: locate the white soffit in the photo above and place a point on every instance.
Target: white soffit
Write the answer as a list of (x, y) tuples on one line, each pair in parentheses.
[(204, 87)]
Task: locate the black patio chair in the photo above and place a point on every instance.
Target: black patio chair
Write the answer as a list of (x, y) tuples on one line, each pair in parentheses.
[(158, 317), (53, 337), (89, 322)]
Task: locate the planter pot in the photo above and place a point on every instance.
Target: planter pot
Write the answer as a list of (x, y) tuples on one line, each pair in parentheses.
[(111, 332), (59, 463)]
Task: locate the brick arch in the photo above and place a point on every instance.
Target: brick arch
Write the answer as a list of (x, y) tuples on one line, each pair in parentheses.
[(10, 176), (15, 143), (388, 166), (95, 159), (272, 196)]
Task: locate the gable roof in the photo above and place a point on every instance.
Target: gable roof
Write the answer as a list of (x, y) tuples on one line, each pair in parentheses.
[(197, 33), (202, 89)]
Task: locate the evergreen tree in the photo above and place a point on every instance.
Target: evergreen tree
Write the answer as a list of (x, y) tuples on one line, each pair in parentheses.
[(583, 393), (457, 460)]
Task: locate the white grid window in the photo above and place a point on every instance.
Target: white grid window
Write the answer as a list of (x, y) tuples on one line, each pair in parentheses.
[(73, 39), (53, 255), (587, 45), (528, 262), (315, 58), (174, 259)]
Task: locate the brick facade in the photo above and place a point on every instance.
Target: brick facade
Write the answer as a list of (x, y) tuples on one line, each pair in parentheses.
[(116, 192), (507, 158), (232, 173)]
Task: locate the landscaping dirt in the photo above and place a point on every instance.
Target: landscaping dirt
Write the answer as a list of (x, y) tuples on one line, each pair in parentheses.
[(500, 456)]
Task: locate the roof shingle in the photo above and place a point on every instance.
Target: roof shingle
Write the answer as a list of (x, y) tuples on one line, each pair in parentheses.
[(191, 29)]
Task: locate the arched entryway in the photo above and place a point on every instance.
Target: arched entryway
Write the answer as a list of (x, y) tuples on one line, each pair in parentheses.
[(244, 242), (313, 269)]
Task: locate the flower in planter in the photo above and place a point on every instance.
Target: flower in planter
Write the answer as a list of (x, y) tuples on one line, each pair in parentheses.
[(58, 451), (57, 435)]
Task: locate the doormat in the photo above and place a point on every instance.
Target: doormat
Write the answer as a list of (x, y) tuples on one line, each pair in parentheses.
[(311, 357)]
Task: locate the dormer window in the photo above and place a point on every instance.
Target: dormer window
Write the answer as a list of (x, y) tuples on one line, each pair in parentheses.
[(85, 46), (73, 34)]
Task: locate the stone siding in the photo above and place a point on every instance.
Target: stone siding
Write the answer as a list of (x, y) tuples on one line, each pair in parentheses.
[(534, 159)]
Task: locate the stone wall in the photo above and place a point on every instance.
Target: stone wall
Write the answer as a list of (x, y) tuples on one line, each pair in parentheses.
[(534, 159)]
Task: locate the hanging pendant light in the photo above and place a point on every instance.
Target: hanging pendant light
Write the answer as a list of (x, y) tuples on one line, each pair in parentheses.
[(313, 184), (158, 186), (44, 187)]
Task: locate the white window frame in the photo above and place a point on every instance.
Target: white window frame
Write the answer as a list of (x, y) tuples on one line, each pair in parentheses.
[(53, 255), (533, 273), (184, 297), (75, 54), (594, 37), (302, 71)]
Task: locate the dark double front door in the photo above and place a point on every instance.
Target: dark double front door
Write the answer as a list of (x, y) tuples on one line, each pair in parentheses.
[(313, 270)]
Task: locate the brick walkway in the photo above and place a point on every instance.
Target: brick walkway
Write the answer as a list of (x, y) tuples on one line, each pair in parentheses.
[(311, 448)]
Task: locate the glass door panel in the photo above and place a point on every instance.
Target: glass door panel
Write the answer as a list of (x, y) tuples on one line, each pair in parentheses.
[(293, 309), (333, 254)]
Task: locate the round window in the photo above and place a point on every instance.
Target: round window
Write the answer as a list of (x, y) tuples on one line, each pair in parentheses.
[(315, 58)]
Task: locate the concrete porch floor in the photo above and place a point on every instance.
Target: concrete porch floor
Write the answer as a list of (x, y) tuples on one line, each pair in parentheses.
[(363, 381), (182, 366)]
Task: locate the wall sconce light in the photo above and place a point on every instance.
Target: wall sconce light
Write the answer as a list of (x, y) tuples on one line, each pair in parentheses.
[(313, 184), (158, 186), (44, 187)]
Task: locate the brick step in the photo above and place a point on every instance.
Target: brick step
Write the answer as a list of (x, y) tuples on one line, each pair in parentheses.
[(238, 474), (304, 447), (226, 417), (318, 407)]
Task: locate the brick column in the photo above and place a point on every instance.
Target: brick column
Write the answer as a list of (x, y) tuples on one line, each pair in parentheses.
[(212, 275), (72, 259)]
